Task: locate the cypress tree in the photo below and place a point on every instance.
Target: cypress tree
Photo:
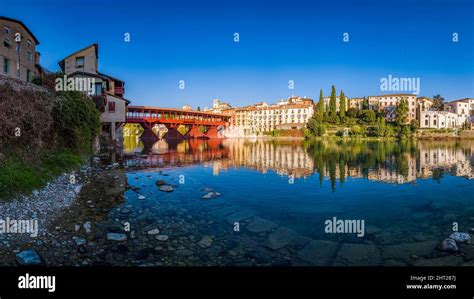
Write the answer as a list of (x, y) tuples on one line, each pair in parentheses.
[(332, 103), (342, 105), (321, 104)]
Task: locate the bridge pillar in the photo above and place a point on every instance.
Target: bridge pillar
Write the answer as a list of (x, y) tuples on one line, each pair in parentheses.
[(194, 132), (148, 132), (173, 133), (212, 132)]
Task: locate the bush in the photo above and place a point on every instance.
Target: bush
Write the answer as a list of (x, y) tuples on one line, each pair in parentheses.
[(77, 121), (356, 130)]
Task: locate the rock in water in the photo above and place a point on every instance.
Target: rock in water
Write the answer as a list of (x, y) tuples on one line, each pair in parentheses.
[(162, 238), (28, 257), (166, 188), (154, 231), (205, 242), (160, 183), (449, 245), (116, 236), (79, 241), (211, 194), (460, 237), (141, 197), (87, 226)]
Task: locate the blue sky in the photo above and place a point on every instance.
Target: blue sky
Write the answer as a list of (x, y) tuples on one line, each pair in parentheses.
[(279, 41)]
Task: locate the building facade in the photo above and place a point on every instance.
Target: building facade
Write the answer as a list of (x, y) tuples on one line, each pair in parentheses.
[(106, 91), (18, 50), (438, 120), (389, 102)]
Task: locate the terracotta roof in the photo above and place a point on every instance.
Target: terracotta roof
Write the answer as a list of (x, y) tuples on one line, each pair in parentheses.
[(24, 26)]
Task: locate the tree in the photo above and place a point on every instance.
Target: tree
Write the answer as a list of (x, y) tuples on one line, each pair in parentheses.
[(367, 116), (438, 102), (198, 108), (332, 103), (352, 112), (342, 106), (401, 113), (381, 127), (365, 104), (321, 104)]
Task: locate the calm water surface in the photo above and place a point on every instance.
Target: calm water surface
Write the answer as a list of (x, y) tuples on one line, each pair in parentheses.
[(408, 194)]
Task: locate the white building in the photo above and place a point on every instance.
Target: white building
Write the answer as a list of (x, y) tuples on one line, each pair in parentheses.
[(439, 120), (463, 108)]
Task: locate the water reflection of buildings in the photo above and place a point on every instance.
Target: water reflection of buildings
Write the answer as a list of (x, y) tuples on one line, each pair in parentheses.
[(457, 161), (291, 158), (285, 158)]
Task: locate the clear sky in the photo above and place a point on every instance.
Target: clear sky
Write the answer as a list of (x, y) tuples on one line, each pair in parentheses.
[(279, 41)]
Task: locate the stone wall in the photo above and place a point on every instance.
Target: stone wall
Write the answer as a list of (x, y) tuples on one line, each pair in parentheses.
[(21, 85)]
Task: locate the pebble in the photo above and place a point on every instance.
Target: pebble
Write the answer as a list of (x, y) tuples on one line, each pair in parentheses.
[(141, 197), (87, 226), (460, 237), (79, 241), (154, 231), (205, 242), (166, 188), (116, 236), (162, 238), (211, 194), (449, 245), (160, 183), (28, 257)]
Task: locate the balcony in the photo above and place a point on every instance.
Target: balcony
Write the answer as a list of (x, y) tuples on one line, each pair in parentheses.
[(119, 91)]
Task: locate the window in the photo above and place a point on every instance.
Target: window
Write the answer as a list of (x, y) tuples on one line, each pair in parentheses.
[(7, 43), (29, 56), (426, 122), (28, 42), (28, 76), (80, 62), (111, 106), (6, 65), (98, 89), (6, 29)]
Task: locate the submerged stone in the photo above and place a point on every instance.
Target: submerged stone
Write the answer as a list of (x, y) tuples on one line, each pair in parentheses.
[(280, 238), (160, 183), (205, 242), (28, 257), (449, 245), (116, 237), (461, 237), (258, 225), (318, 252), (211, 194), (166, 188)]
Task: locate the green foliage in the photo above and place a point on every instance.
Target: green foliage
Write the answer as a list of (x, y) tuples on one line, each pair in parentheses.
[(342, 106), (37, 81), (316, 128), (356, 130), (438, 102), (365, 104), (203, 129), (19, 175), (77, 121), (332, 103), (320, 111), (367, 116), (352, 112), (401, 112)]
